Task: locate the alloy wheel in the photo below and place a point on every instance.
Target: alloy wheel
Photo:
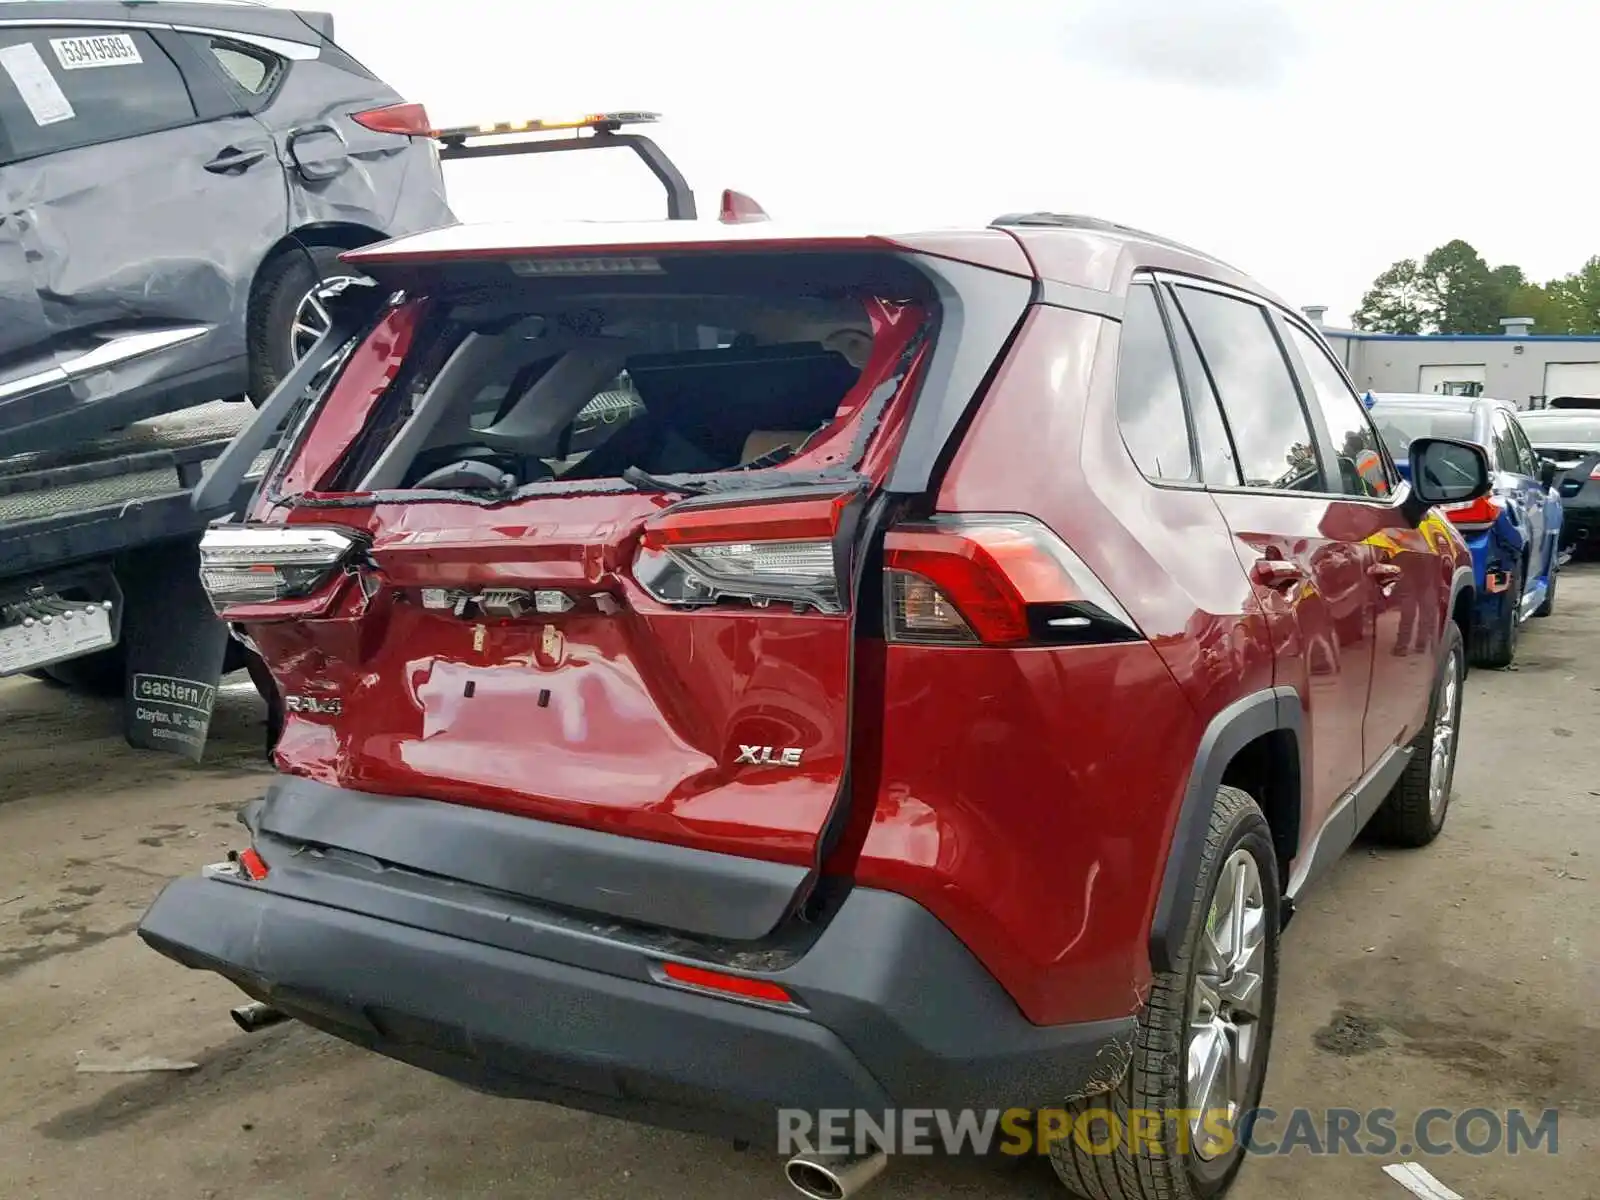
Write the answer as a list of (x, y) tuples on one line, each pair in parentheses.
[(1225, 1002), (311, 318), (1442, 758)]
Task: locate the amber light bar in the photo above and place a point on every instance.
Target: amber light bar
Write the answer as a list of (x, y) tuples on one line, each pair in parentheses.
[(608, 120)]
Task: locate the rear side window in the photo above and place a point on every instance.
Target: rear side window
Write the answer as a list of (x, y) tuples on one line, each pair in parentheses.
[(1362, 468), (1245, 364), (64, 87), (1149, 396), (254, 72)]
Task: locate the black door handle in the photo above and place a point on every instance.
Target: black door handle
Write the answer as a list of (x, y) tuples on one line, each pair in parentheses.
[(233, 159)]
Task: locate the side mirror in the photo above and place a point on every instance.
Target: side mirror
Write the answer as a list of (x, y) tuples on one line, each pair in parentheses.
[(1445, 471), (1548, 472)]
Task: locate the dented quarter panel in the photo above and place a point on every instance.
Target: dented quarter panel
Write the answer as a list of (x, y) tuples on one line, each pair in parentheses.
[(338, 171)]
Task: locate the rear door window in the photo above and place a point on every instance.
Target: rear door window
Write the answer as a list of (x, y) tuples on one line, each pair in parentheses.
[(1244, 362), (64, 87)]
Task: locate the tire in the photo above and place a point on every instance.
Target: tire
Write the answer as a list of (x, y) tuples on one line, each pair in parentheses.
[(103, 674), (1408, 815), (1549, 605), (1496, 645), (1156, 1081), (285, 280)]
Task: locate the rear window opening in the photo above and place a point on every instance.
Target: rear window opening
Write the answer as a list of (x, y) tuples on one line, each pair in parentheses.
[(684, 369)]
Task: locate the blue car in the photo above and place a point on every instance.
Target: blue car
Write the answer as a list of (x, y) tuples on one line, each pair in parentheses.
[(1512, 532)]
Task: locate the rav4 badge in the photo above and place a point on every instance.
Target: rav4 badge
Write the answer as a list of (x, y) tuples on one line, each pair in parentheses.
[(330, 706)]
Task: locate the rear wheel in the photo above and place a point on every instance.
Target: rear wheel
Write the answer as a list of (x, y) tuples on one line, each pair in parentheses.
[(1495, 645), (1414, 812), (288, 318), (1175, 1128)]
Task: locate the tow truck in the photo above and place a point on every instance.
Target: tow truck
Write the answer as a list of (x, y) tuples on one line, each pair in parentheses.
[(99, 564)]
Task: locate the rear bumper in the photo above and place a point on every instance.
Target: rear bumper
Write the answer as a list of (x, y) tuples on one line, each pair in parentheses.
[(891, 1009)]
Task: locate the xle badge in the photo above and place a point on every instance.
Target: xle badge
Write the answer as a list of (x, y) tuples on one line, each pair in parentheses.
[(769, 756)]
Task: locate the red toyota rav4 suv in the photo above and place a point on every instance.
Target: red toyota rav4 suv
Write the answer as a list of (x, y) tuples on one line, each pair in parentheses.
[(930, 683)]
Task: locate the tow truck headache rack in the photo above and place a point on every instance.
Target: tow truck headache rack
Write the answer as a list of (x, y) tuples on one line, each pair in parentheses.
[(595, 131)]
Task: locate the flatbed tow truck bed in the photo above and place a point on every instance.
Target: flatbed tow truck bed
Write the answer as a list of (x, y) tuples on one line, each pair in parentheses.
[(112, 494)]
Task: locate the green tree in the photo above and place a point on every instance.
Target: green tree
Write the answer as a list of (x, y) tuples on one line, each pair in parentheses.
[(1544, 304), (1395, 302), (1578, 298), (1452, 290), (1464, 294)]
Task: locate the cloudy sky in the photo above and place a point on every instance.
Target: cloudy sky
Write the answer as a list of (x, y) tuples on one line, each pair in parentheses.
[(1310, 143)]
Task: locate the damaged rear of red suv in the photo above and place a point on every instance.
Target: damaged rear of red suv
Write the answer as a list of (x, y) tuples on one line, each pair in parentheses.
[(724, 672)]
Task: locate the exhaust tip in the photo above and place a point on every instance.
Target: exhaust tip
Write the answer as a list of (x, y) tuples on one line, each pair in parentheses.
[(814, 1181), (833, 1176), (255, 1015)]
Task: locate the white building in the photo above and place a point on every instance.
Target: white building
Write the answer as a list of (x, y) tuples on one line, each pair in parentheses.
[(1518, 365)]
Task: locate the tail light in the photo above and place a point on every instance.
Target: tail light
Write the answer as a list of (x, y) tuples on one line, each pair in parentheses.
[(1474, 514), (778, 551), (408, 119), (993, 580), (244, 565), (1595, 473)]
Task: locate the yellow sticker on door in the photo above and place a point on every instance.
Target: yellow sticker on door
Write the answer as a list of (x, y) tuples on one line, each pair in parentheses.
[(100, 50)]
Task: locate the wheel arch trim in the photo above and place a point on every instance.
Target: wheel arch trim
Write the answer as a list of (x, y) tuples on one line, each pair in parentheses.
[(1270, 710)]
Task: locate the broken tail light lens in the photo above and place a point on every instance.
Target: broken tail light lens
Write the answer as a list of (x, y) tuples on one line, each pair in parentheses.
[(244, 565), (774, 551), (993, 580), (1474, 514)]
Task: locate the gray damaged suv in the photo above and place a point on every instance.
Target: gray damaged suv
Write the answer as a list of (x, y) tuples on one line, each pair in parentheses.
[(176, 181)]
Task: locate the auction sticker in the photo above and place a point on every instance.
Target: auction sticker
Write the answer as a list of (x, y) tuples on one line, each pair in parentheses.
[(47, 103), (101, 50)]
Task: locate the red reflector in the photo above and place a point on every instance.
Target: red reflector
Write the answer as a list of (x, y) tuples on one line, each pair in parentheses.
[(255, 868), (409, 119), (732, 985)]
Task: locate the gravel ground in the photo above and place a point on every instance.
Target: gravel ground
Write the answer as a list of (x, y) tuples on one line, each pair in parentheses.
[(1463, 976)]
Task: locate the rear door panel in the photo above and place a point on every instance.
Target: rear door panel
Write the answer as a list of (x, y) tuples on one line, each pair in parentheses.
[(201, 233)]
